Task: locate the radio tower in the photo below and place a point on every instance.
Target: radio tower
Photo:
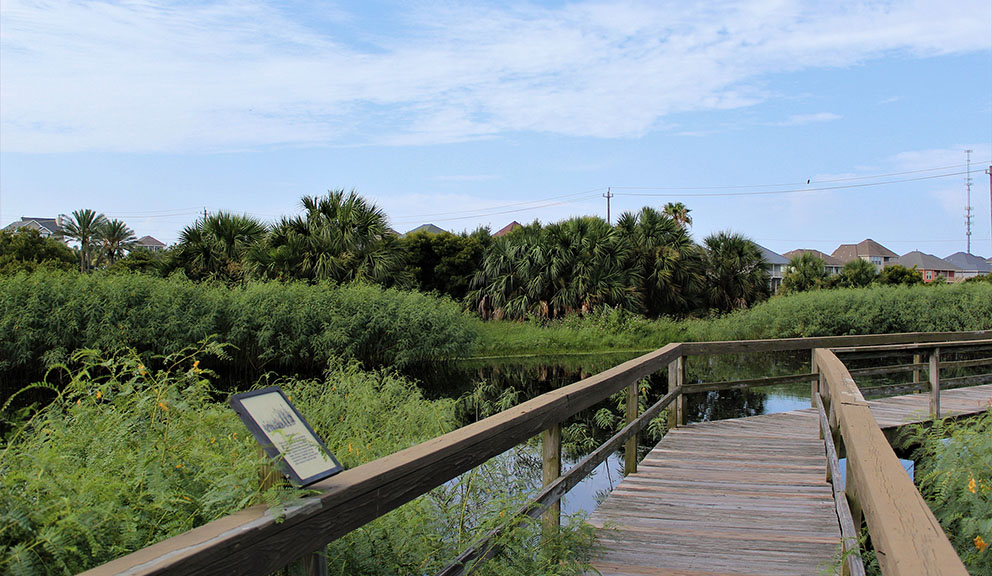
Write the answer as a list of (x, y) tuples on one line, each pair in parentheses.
[(967, 206)]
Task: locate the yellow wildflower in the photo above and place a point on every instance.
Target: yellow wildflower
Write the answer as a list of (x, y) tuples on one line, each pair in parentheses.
[(349, 447), (99, 394), (141, 369), (971, 484), (163, 406), (212, 440), (180, 465), (980, 544), (196, 366), (78, 401)]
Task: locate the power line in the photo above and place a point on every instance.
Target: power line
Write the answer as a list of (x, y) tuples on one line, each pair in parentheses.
[(791, 191)]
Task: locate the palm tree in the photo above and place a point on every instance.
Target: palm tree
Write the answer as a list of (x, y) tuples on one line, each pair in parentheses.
[(678, 212), (805, 272), (85, 226), (858, 273), (340, 237), (666, 264), (735, 271), (217, 245), (116, 238)]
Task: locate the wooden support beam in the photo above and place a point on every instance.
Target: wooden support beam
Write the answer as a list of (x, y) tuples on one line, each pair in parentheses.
[(814, 391), (630, 448), (935, 383), (676, 379), (551, 457), (917, 373)]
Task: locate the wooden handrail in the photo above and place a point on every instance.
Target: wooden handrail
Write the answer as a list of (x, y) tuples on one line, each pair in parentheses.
[(259, 541), (906, 535)]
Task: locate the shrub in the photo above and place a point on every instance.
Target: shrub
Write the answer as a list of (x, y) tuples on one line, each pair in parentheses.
[(292, 328), (128, 455), (954, 474)]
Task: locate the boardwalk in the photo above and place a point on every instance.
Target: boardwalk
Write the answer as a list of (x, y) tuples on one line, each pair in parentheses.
[(741, 496)]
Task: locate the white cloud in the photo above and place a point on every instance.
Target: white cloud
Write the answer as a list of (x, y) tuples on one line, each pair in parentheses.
[(156, 75), (803, 119)]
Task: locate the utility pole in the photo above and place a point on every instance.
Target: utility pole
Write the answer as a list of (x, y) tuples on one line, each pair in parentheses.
[(608, 196), (967, 206)]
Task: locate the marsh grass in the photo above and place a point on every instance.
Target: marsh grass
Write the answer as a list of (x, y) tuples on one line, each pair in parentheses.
[(127, 455)]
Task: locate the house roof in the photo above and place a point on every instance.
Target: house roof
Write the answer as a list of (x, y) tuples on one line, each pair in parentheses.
[(970, 262), (51, 225), (827, 258), (428, 228), (149, 241), (924, 261), (865, 248), (507, 229), (772, 257)]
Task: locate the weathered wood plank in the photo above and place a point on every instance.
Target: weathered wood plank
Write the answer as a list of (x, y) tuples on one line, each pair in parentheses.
[(906, 536)]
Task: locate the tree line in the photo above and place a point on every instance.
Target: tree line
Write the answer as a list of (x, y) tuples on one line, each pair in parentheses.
[(647, 263)]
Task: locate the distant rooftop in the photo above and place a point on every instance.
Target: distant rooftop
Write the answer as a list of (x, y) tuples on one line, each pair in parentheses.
[(507, 229), (827, 258), (772, 257), (970, 262), (864, 249), (427, 228), (924, 261)]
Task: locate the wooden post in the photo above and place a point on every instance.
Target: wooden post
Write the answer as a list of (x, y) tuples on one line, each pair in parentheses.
[(676, 378), (935, 383), (917, 373), (551, 449), (313, 564), (630, 448), (814, 384)]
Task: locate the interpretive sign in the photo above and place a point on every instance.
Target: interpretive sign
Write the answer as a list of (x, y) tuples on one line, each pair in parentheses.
[(285, 436)]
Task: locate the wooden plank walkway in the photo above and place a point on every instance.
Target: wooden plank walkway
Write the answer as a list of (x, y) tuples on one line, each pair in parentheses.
[(745, 496)]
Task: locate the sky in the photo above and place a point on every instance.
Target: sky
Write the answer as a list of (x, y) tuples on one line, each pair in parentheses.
[(798, 124)]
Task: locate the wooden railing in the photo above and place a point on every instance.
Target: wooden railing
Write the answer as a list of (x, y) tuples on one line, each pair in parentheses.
[(260, 541), (904, 532)]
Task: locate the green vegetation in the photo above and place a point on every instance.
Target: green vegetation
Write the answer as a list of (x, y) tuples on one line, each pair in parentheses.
[(128, 455), (954, 474), (290, 328), (26, 250), (873, 310)]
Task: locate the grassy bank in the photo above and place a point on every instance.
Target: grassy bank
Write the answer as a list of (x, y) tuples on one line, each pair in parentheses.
[(874, 310), (127, 456)]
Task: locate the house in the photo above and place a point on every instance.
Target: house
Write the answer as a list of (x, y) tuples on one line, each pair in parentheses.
[(930, 266), (427, 228), (507, 229), (868, 250), (969, 264), (149, 243), (47, 227), (831, 265), (775, 264)]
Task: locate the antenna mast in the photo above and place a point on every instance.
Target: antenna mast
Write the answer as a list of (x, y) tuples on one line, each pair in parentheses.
[(967, 206)]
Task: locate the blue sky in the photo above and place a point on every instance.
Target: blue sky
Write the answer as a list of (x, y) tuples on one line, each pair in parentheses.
[(468, 113)]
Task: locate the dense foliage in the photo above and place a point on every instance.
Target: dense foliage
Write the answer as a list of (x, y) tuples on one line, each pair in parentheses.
[(873, 310), (292, 328), (954, 474), (128, 455), (25, 250), (646, 264)]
